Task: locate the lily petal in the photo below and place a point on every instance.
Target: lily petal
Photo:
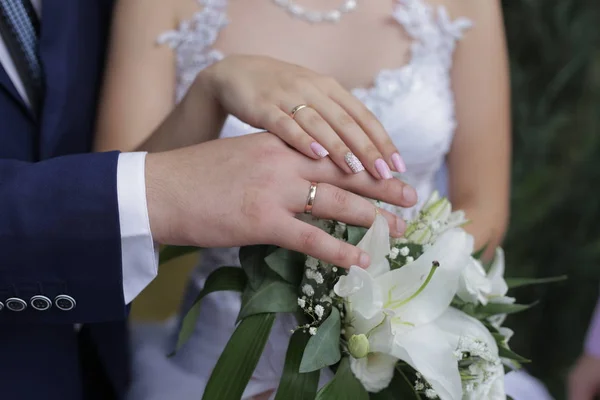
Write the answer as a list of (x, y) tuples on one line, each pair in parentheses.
[(376, 243), (360, 290), (375, 371), (496, 274), (474, 286), (457, 324), (425, 349), (452, 250)]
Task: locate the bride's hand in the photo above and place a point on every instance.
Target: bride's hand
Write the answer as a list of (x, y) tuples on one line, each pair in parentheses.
[(328, 120)]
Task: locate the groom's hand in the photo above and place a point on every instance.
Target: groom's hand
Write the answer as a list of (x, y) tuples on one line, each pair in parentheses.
[(248, 190)]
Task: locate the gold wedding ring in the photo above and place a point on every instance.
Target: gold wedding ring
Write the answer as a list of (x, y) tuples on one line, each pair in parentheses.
[(310, 201), (296, 109)]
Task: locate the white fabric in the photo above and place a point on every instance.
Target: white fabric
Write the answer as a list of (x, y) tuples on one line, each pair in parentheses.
[(139, 257), (138, 254)]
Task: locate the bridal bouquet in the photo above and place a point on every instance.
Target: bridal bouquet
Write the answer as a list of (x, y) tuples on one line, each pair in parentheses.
[(424, 321)]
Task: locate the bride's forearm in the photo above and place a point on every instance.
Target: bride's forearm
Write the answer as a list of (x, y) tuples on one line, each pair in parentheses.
[(197, 119)]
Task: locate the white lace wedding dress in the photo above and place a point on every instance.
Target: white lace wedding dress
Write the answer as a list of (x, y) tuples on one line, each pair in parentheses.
[(415, 105)]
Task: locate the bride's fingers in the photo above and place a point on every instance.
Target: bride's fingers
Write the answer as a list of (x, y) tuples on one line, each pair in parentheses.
[(334, 203), (305, 238), (310, 120), (287, 129), (369, 124), (352, 134)]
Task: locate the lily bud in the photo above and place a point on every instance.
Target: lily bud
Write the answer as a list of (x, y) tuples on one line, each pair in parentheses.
[(358, 345)]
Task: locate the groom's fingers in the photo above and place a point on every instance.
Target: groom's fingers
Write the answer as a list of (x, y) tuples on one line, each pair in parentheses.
[(340, 205), (299, 236)]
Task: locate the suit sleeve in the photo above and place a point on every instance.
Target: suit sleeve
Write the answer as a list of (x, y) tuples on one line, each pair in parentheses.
[(60, 240)]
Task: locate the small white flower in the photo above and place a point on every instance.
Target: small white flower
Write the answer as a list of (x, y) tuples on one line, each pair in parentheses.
[(430, 394), (317, 277), (419, 386), (312, 330), (394, 253), (409, 259), (301, 303), (404, 251), (309, 273), (334, 269), (312, 262), (319, 310), (308, 290)]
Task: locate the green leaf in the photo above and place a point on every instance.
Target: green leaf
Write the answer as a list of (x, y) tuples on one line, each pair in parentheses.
[(272, 296), (172, 252), (287, 264), (323, 349), (355, 234), (295, 385), (239, 358), (520, 282), (501, 308), (224, 278), (344, 385), (505, 352), (252, 259)]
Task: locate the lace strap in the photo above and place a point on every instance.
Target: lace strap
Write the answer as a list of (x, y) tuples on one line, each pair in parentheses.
[(201, 29), (433, 29)]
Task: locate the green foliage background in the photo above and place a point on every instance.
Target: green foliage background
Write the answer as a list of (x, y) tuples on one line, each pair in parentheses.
[(555, 222)]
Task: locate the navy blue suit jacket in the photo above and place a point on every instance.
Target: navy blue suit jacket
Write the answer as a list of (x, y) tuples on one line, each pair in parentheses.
[(59, 222)]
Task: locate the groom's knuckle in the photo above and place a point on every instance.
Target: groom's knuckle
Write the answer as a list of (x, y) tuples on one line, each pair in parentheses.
[(340, 201), (341, 253), (309, 240)]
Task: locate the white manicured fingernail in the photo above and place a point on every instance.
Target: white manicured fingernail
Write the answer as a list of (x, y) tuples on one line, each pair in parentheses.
[(354, 163)]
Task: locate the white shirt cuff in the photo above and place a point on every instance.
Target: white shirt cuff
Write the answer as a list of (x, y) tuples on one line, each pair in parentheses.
[(139, 255)]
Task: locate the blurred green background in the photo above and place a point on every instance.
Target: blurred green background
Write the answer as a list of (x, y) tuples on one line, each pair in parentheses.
[(554, 47)]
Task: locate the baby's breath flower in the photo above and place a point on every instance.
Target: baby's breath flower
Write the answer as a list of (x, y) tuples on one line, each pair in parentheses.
[(308, 290), (312, 330), (317, 277), (409, 259), (301, 303), (312, 262), (319, 310), (394, 253), (419, 386), (430, 394), (334, 269), (404, 251)]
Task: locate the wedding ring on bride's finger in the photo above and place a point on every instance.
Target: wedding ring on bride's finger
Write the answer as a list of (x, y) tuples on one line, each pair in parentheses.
[(310, 200), (296, 109)]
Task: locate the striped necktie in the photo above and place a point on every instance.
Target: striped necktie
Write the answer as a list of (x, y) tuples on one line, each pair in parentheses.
[(19, 27)]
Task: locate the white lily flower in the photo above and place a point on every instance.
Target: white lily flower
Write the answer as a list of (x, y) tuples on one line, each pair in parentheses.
[(397, 309), (484, 378), (478, 287), (435, 218)]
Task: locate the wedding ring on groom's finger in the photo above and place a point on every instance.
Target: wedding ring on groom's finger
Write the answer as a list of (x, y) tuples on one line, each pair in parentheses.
[(310, 201), (296, 109)]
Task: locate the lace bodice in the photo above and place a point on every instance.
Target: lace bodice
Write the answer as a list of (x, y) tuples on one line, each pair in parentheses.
[(414, 103)]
